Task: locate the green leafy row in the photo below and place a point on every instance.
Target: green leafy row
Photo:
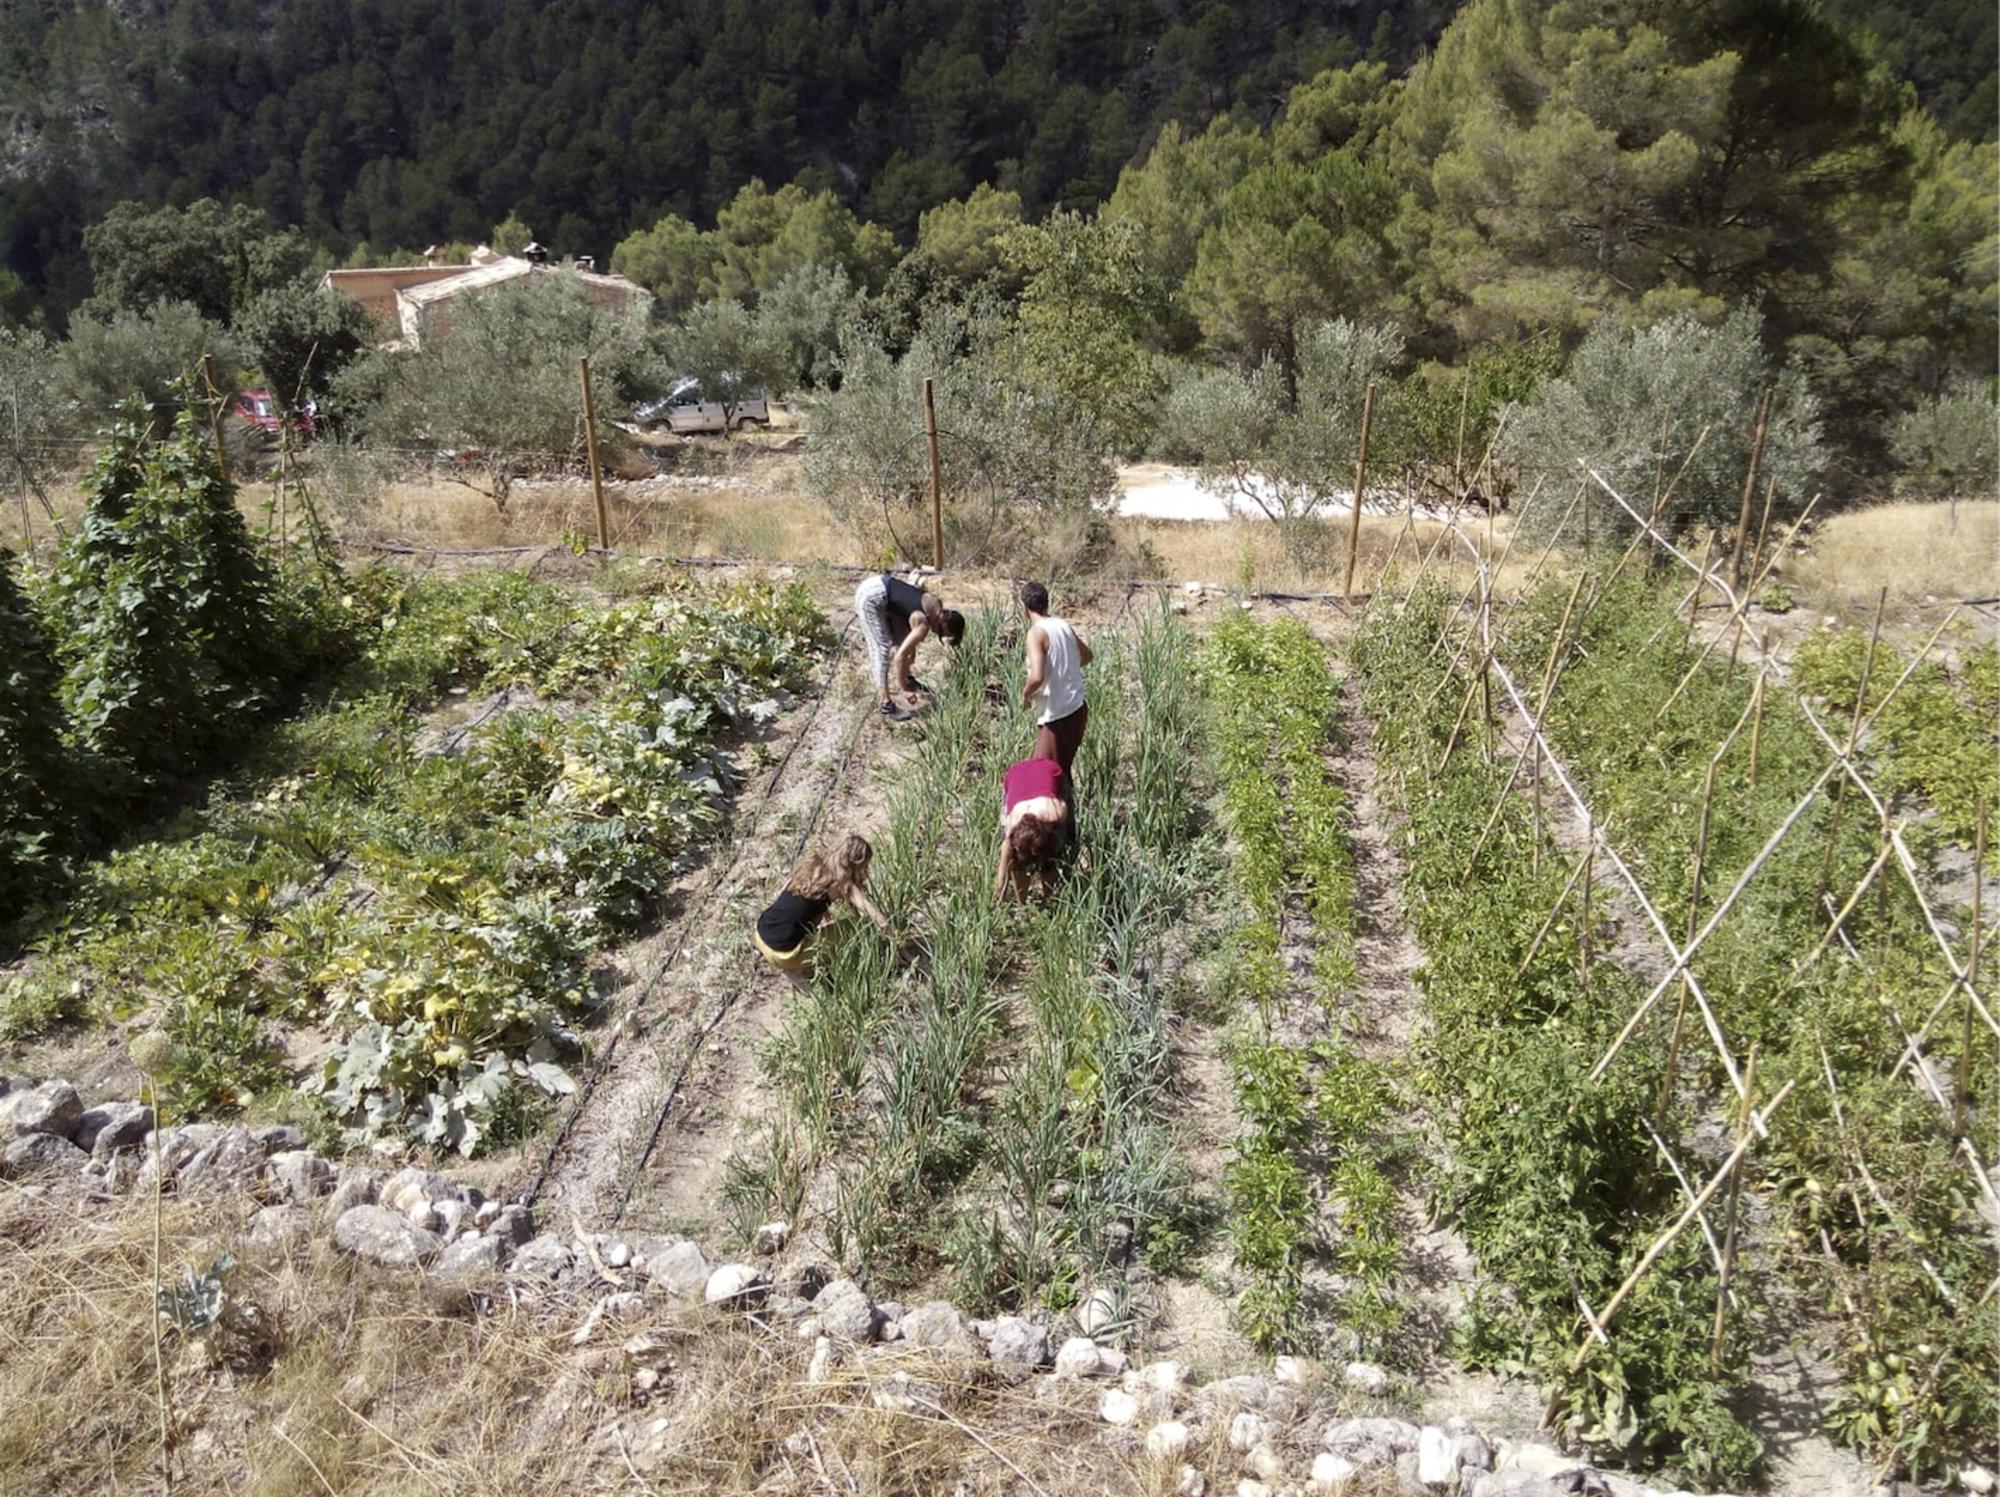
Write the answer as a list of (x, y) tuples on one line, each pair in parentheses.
[(1881, 1217), (1938, 735), (1314, 1113), (428, 894), (1551, 1177)]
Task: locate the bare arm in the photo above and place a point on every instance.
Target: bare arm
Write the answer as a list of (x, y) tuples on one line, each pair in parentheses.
[(906, 652), (867, 907), (1083, 652), (1006, 865), (1038, 667)]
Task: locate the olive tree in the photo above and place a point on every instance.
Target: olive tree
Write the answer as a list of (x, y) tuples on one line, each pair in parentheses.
[(501, 379), (1640, 405), (1946, 448), (1021, 481), (1285, 448)]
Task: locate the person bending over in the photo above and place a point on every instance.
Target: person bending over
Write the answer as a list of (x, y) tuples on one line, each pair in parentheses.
[(1035, 826), (786, 929), (1053, 690), (897, 616)]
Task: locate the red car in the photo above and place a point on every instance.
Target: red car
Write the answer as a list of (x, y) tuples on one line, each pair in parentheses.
[(257, 408)]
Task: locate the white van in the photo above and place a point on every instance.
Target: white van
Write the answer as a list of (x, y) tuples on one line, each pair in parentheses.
[(688, 409)]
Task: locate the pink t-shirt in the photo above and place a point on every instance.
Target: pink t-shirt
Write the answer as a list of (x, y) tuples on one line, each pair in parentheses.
[(1030, 779)]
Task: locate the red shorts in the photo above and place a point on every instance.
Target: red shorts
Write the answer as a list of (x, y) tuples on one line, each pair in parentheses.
[(1060, 739)]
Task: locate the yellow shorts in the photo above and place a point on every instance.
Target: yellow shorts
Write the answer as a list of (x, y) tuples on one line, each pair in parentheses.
[(798, 959)]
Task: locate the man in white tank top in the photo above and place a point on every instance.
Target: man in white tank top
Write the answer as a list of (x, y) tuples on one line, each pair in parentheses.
[(1053, 690)]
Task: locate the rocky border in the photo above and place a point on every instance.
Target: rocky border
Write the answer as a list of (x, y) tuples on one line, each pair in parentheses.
[(419, 1220)]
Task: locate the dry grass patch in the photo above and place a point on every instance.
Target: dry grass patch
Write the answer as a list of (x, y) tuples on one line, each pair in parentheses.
[(1248, 553), (1917, 551), (322, 1376)]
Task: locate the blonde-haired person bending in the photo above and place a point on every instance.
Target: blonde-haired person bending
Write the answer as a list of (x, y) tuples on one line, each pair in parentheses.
[(786, 929)]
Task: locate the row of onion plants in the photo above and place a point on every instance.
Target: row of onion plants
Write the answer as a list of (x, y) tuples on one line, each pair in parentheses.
[(1079, 1175)]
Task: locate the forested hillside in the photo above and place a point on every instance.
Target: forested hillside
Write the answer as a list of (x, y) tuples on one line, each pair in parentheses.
[(404, 122), (401, 122)]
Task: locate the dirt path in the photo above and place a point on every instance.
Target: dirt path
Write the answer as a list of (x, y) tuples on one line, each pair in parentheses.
[(681, 1063)]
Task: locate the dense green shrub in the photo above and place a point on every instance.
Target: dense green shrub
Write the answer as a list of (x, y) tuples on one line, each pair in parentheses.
[(166, 612), (1938, 736), (33, 785)]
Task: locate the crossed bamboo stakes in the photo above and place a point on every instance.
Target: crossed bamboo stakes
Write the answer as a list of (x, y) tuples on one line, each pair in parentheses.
[(1841, 771)]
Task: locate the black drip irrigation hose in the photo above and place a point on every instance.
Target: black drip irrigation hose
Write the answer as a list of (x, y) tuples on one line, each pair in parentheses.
[(689, 923), (850, 569), (746, 967)]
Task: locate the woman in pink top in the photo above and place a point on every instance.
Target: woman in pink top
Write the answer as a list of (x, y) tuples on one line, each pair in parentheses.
[(1034, 824)]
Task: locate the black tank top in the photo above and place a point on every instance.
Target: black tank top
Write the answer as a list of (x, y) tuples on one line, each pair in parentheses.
[(900, 599), (790, 919)]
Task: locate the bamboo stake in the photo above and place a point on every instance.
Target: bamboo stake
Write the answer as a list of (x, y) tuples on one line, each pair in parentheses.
[(1687, 1193), (1729, 1216), (1961, 1081), (1757, 713), (1668, 546), (1694, 909), (1800, 968), (1750, 486), (1583, 932), (1905, 861), (1694, 602), (1464, 708), (1577, 874), (1853, 737), (1360, 486), (1835, 766), (590, 448), (1625, 874), (1464, 408), (1549, 674), (1737, 617), (1759, 1122)]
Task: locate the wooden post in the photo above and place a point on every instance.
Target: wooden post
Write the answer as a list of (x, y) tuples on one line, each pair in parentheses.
[(1757, 567), (1962, 1080), (1750, 488), (1360, 483), (215, 404), (937, 478), (1458, 457), (1729, 1215), (590, 447)]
